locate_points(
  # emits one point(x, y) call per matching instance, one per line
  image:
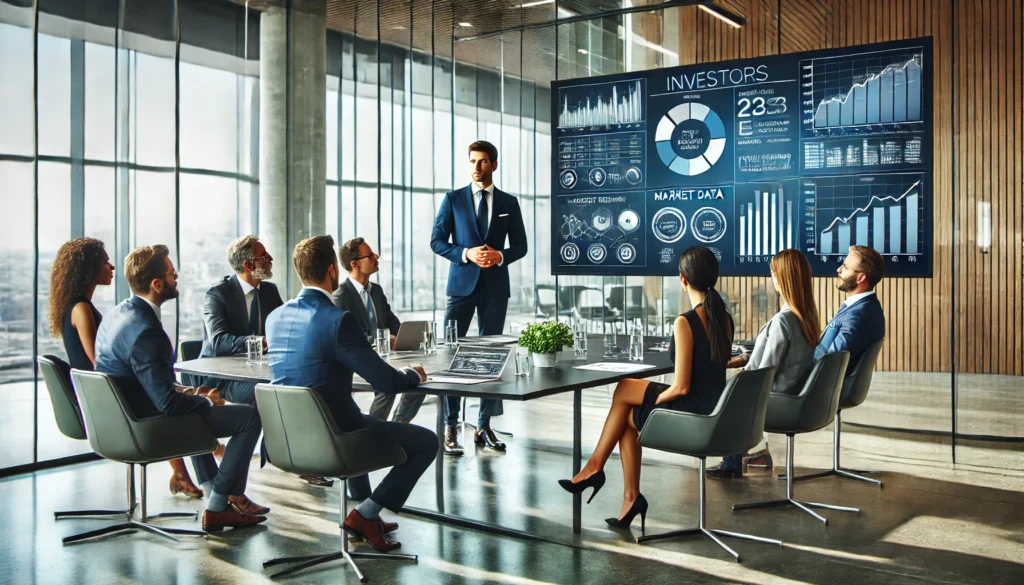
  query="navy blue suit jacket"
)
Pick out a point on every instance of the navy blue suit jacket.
point(132, 347)
point(853, 329)
point(455, 230)
point(315, 344)
point(226, 317)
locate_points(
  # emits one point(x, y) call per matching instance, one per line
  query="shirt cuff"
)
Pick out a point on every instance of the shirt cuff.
point(502, 256)
point(465, 255)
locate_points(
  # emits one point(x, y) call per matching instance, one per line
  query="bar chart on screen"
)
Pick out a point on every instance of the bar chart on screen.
point(770, 218)
point(883, 212)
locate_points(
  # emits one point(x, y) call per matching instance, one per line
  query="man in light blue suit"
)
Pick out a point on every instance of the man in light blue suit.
point(132, 347)
point(860, 321)
point(315, 344)
point(471, 230)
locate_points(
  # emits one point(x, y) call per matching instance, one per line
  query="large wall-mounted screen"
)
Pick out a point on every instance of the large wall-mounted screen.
point(816, 151)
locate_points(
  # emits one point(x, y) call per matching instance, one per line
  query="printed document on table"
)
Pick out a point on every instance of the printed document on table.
point(616, 367)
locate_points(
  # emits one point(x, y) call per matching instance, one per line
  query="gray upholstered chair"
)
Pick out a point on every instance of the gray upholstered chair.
point(736, 425)
point(855, 390)
point(57, 377)
point(115, 433)
point(812, 409)
point(302, 437)
point(189, 350)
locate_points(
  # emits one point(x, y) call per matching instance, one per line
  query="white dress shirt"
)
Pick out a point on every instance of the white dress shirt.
point(854, 298)
point(156, 307)
point(487, 192)
point(325, 293)
point(248, 291)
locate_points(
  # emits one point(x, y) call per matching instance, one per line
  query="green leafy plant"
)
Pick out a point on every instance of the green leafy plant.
point(546, 337)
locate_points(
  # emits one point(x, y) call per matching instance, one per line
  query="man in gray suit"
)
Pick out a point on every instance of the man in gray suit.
point(368, 303)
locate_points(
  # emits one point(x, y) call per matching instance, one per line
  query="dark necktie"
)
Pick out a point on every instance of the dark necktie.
point(254, 313)
point(371, 313)
point(481, 215)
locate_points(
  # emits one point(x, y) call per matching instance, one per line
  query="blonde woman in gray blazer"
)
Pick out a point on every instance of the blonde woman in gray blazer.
point(786, 343)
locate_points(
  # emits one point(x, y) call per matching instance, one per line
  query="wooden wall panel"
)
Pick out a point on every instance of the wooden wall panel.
point(978, 150)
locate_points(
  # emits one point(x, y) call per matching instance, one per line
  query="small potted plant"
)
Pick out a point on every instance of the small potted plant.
point(545, 340)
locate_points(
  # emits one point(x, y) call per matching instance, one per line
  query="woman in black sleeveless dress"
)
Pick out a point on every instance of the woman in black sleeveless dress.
point(700, 347)
point(79, 267)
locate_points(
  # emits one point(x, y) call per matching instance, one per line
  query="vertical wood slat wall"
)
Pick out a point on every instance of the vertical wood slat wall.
point(985, 130)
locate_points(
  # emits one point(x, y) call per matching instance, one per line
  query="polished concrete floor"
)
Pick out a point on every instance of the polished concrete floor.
point(930, 523)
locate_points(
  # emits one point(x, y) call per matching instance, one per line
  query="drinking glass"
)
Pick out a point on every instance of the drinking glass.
point(579, 343)
point(611, 341)
point(429, 339)
point(451, 334)
point(636, 343)
point(254, 350)
point(384, 342)
point(523, 364)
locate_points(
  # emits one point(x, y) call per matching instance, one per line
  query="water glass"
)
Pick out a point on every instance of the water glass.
point(523, 364)
point(579, 342)
point(384, 342)
point(611, 342)
point(429, 339)
point(636, 343)
point(451, 334)
point(254, 350)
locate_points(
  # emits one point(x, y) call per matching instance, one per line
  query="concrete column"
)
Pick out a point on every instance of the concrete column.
point(293, 143)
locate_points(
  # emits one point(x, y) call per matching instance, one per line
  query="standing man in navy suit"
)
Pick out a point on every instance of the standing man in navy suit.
point(479, 229)
point(860, 321)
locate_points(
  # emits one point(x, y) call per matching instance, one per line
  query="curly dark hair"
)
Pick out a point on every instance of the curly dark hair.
point(75, 268)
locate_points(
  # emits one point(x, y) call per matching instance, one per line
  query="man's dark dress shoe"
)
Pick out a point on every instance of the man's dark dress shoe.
point(246, 506)
point(717, 472)
point(486, 437)
point(369, 530)
point(451, 441)
point(385, 527)
point(318, 480)
point(229, 518)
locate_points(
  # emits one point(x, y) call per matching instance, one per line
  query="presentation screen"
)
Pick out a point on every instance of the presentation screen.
point(816, 151)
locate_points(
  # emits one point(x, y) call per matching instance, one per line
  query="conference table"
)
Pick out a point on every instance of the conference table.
point(563, 377)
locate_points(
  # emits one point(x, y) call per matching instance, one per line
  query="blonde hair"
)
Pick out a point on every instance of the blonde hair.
point(793, 277)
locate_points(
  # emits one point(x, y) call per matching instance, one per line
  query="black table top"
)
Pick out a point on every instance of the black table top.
point(542, 381)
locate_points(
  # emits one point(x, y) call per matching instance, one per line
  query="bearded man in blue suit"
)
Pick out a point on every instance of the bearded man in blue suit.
point(313, 343)
point(480, 230)
point(860, 322)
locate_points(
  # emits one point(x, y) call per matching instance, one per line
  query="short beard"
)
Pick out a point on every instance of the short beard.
point(262, 274)
point(167, 294)
point(846, 285)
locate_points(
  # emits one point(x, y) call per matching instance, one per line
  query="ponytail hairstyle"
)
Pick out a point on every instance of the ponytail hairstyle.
point(700, 268)
point(793, 275)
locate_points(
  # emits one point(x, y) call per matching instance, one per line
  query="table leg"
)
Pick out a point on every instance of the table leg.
point(439, 462)
point(577, 456)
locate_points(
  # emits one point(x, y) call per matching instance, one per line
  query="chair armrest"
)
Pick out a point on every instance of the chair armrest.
point(170, 437)
point(678, 432)
point(783, 412)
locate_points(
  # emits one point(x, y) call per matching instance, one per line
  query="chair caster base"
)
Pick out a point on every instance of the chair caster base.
point(710, 533)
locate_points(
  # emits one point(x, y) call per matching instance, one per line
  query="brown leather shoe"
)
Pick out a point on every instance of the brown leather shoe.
point(486, 437)
point(370, 531)
point(246, 506)
point(385, 527)
point(182, 485)
point(229, 518)
point(451, 441)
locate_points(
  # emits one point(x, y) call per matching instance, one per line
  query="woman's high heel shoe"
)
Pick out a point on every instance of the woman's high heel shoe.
point(639, 507)
point(595, 481)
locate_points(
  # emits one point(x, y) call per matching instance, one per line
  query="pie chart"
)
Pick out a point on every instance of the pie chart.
point(690, 139)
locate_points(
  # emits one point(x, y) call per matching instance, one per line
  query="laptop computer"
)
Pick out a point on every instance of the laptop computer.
point(410, 335)
point(473, 365)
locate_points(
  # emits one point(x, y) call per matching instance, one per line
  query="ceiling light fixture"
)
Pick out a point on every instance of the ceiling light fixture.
point(537, 3)
point(465, 25)
point(721, 14)
point(583, 51)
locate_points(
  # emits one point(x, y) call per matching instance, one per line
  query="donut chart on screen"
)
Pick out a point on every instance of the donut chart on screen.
point(691, 118)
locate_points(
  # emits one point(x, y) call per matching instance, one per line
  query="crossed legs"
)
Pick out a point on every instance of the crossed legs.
point(620, 430)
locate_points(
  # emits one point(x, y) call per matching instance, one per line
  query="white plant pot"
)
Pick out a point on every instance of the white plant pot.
point(543, 360)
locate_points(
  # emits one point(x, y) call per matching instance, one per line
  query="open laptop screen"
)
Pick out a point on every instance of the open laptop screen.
point(475, 362)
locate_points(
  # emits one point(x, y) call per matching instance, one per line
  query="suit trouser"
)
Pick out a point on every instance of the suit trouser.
point(420, 446)
point(408, 406)
point(241, 424)
point(491, 310)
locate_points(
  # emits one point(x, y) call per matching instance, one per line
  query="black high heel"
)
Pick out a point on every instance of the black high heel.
point(595, 481)
point(639, 507)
